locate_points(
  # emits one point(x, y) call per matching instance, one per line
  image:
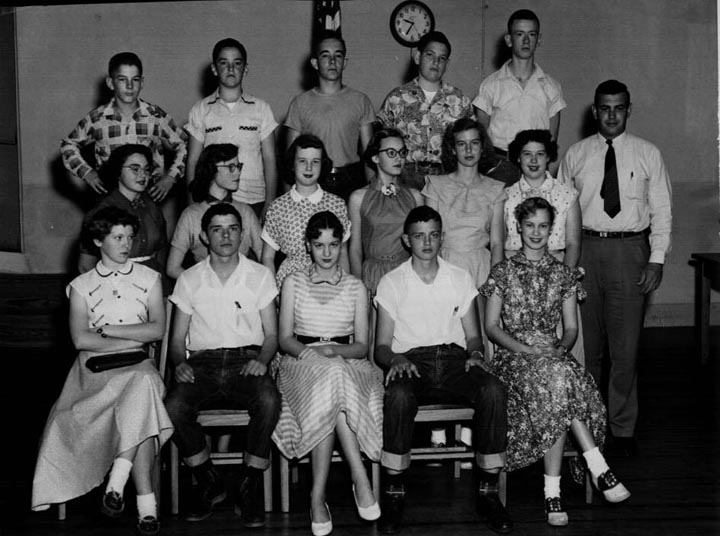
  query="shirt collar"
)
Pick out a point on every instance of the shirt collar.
point(545, 187)
point(104, 271)
point(111, 110)
point(215, 98)
point(505, 72)
point(314, 198)
point(212, 200)
point(332, 279)
point(238, 275)
point(520, 258)
point(619, 140)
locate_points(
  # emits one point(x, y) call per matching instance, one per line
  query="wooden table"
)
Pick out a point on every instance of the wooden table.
point(707, 274)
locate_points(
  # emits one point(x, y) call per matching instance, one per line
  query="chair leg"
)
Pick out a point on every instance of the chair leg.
point(502, 487)
point(267, 487)
point(284, 484)
point(174, 479)
point(456, 464)
point(61, 512)
point(156, 477)
point(375, 469)
point(588, 488)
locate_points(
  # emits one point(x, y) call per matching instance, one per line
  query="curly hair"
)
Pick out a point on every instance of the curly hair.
point(530, 206)
point(99, 223)
point(524, 137)
point(111, 170)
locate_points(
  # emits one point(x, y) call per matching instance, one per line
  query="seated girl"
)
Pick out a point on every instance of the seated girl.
point(114, 419)
point(328, 386)
point(287, 217)
point(548, 391)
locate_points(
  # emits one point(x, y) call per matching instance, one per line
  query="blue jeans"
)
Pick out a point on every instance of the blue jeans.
point(443, 380)
point(219, 385)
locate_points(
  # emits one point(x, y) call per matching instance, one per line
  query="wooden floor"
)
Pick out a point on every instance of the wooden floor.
point(675, 480)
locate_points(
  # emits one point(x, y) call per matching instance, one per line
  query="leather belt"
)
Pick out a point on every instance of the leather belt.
point(305, 339)
point(613, 234)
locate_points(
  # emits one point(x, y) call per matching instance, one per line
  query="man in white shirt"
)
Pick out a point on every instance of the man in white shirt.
point(225, 319)
point(625, 199)
point(429, 343)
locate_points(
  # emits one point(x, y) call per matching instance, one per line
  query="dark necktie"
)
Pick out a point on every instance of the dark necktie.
point(609, 190)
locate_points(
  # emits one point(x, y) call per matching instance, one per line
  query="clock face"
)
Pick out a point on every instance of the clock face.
point(411, 20)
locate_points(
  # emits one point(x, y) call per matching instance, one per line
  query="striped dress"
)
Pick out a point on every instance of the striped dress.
point(315, 390)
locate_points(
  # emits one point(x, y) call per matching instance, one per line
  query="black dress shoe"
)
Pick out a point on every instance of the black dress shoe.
point(205, 497)
point(248, 504)
point(489, 507)
point(112, 504)
point(624, 446)
point(393, 504)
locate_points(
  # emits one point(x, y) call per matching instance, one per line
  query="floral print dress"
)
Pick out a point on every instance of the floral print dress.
point(544, 394)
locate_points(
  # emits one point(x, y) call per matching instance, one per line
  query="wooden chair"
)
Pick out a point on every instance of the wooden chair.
point(456, 451)
point(570, 452)
point(209, 419)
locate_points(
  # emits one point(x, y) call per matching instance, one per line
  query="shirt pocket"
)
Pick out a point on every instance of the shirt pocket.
point(639, 186)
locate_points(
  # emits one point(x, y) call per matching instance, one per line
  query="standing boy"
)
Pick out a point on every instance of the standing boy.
point(626, 203)
point(423, 108)
point(337, 114)
point(231, 116)
point(429, 343)
point(225, 318)
point(126, 119)
point(519, 96)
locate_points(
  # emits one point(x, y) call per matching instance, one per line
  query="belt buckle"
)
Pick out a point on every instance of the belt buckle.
point(326, 339)
point(603, 234)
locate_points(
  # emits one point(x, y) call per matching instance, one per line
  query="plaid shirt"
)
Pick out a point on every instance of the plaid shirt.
point(107, 129)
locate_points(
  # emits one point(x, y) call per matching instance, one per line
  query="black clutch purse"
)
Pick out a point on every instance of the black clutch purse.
point(101, 363)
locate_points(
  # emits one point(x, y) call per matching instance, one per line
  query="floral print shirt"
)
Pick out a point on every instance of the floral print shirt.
point(423, 122)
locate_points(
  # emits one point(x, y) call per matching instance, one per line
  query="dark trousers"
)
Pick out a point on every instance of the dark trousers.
point(342, 181)
point(219, 385)
point(443, 380)
point(612, 316)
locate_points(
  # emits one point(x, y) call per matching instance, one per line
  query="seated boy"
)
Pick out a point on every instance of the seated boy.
point(428, 341)
point(225, 318)
point(217, 176)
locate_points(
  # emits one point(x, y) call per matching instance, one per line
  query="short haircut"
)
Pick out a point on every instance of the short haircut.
point(422, 213)
point(228, 42)
point(306, 141)
point(522, 14)
point(324, 36)
point(206, 167)
point(323, 220)
point(99, 224)
point(218, 209)
point(373, 147)
point(448, 156)
point(434, 37)
point(530, 206)
point(111, 170)
point(124, 58)
point(611, 87)
point(526, 136)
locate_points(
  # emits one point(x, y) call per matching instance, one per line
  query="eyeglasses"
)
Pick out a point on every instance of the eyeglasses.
point(392, 153)
point(232, 168)
point(138, 170)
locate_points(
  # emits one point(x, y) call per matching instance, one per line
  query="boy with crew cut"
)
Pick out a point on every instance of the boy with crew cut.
point(337, 114)
point(423, 108)
point(519, 96)
point(230, 115)
point(428, 341)
point(126, 119)
point(225, 319)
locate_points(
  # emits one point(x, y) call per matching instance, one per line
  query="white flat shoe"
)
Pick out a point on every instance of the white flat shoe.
point(369, 513)
point(324, 528)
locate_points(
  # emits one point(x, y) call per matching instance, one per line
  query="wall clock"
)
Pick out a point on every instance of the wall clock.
point(409, 21)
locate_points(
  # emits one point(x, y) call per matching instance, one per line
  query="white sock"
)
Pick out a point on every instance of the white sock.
point(119, 475)
point(146, 505)
point(596, 462)
point(552, 486)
